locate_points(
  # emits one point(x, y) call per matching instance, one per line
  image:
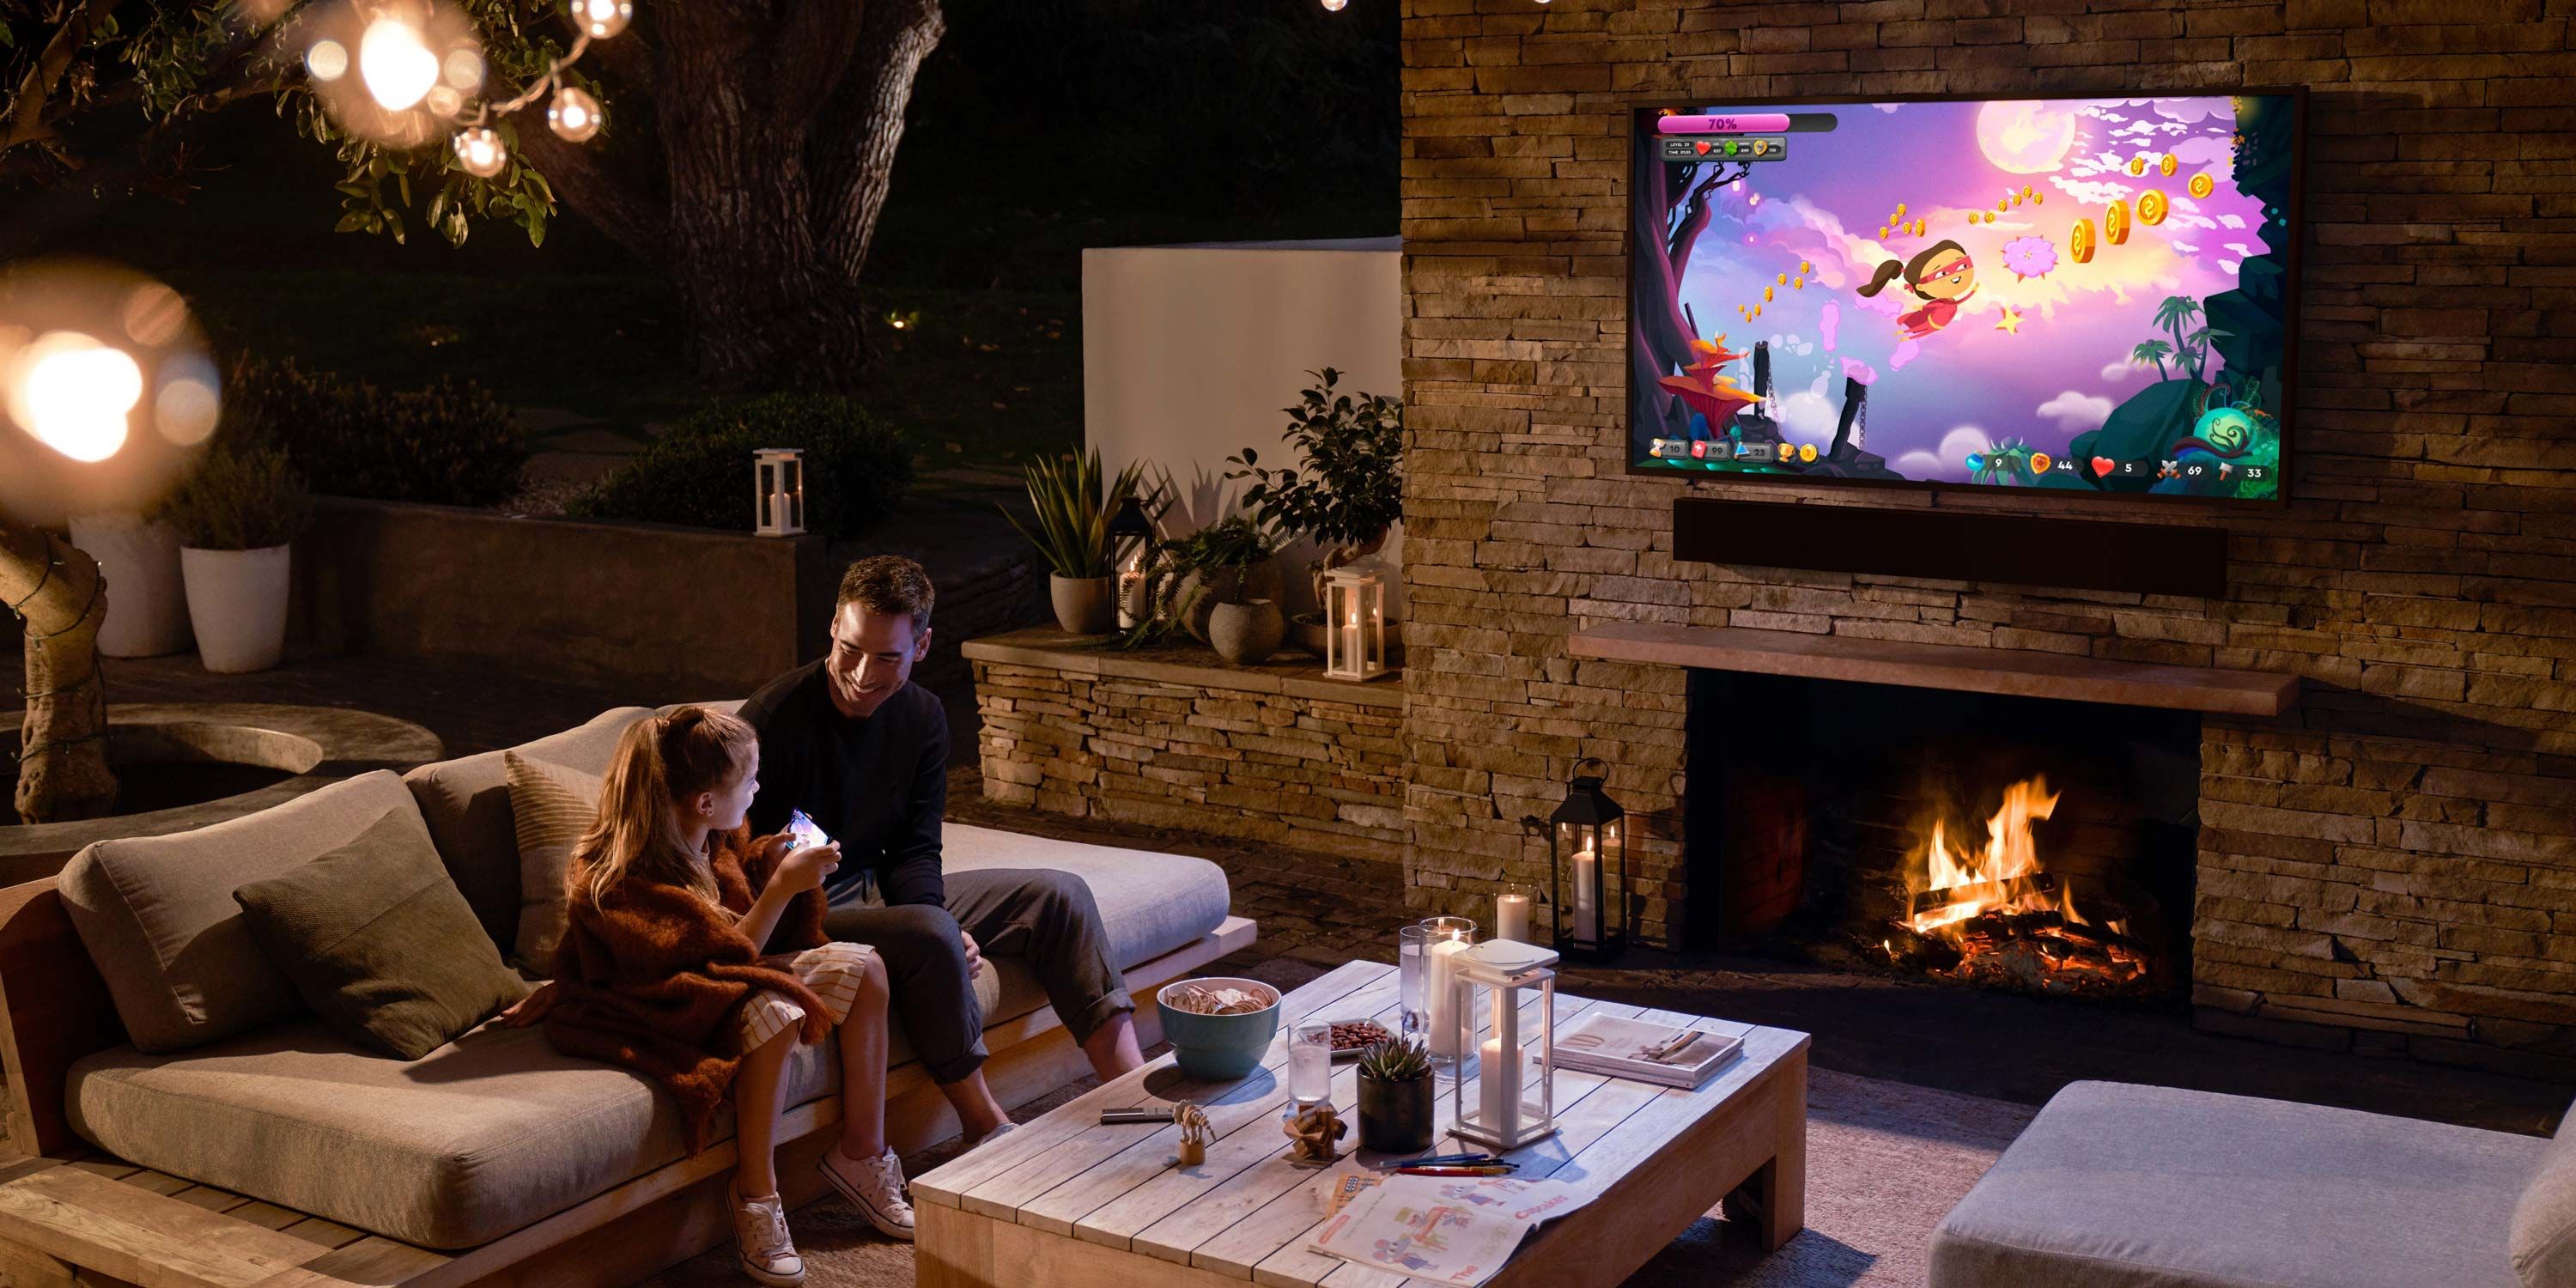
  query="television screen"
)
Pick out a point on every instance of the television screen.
point(2084, 294)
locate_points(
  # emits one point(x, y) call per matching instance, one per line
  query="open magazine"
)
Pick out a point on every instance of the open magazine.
point(1452, 1230)
point(1665, 1054)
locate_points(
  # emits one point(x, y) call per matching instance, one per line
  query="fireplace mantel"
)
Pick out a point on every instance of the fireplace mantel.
point(2014, 672)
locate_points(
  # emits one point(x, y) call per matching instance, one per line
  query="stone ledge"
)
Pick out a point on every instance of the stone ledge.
point(1090, 655)
point(2013, 672)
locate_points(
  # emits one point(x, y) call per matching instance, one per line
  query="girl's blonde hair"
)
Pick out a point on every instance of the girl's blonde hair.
point(660, 761)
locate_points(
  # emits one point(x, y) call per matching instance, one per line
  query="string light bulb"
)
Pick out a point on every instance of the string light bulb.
point(601, 19)
point(328, 60)
point(396, 64)
point(73, 393)
point(574, 115)
point(481, 152)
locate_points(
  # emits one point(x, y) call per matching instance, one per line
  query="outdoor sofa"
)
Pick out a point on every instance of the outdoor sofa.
point(492, 1160)
point(2122, 1186)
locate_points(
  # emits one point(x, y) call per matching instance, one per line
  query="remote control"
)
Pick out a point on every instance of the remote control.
point(1138, 1114)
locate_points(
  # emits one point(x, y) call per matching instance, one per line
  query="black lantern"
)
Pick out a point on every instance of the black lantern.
point(1131, 523)
point(1587, 858)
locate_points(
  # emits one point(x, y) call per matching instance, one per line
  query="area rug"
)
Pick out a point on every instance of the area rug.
point(1884, 1162)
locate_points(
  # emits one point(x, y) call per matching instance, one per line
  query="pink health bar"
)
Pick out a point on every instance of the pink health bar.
point(1739, 123)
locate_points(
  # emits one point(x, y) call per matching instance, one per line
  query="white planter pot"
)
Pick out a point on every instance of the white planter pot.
point(147, 606)
point(237, 600)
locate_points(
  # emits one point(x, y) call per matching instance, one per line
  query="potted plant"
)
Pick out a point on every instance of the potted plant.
point(1243, 627)
point(1346, 491)
point(1072, 511)
point(147, 615)
point(1396, 1100)
point(236, 517)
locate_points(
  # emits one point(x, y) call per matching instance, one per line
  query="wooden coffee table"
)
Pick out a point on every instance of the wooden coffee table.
point(1065, 1202)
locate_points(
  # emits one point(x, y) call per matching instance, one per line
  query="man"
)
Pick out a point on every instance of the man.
point(863, 751)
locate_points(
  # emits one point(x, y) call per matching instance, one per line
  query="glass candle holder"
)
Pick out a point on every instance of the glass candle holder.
point(1427, 980)
point(1310, 1062)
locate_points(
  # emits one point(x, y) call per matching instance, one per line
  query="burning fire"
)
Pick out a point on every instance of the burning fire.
point(2000, 901)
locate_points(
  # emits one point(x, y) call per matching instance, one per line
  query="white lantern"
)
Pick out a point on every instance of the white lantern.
point(778, 487)
point(1500, 1111)
point(1355, 625)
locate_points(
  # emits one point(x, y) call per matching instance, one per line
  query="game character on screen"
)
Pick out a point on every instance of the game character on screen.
point(1941, 275)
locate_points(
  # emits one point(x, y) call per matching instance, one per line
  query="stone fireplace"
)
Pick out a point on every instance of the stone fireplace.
point(2029, 843)
point(2389, 863)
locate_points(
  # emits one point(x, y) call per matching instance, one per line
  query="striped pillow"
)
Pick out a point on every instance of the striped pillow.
point(550, 806)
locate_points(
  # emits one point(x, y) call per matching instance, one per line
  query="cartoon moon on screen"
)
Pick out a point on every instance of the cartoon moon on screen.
point(2058, 293)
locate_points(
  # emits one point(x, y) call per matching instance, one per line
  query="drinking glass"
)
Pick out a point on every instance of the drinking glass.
point(1310, 1062)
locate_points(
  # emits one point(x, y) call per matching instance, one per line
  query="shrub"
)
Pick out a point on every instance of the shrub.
point(242, 496)
point(452, 443)
point(698, 473)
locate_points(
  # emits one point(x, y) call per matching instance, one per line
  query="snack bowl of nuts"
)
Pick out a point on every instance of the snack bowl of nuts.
point(1219, 1027)
point(1350, 1037)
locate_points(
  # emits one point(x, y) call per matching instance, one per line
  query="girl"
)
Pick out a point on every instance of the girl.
point(1939, 274)
point(670, 904)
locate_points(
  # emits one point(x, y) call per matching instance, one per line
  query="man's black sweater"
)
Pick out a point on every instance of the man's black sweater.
point(877, 785)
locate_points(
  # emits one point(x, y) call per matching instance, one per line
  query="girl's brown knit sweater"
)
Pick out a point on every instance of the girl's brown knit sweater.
point(654, 977)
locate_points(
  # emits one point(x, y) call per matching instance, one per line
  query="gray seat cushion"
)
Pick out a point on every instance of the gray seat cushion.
point(2119, 1186)
point(466, 803)
point(488, 1134)
point(1150, 903)
point(2544, 1221)
point(156, 913)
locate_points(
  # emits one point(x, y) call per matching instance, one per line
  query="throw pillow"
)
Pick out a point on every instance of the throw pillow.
point(380, 943)
point(156, 913)
point(551, 807)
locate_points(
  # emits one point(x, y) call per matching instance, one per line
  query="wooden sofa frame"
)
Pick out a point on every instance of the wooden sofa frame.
point(70, 1218)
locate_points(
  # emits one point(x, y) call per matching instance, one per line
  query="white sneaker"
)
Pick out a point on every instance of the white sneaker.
point(996, 1134)
point(760, 1237)
point(875, 1187)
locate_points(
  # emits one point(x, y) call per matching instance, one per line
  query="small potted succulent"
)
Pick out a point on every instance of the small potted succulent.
point(1071, 512)
point(1396, 1100)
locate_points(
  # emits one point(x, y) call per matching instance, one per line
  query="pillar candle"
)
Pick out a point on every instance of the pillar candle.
point(1131, 597)
point(1587, 913)
point(1512, 916)
point(1440, 980)
point(1353, 659)
point(1499, 1067)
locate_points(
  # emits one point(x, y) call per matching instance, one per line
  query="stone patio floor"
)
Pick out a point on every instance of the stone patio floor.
point(1317, 911)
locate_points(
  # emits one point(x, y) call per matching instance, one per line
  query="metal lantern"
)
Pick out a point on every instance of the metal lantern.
point(1354, 625)
point(778, 491)
point(1587, 859)
point(1500, 1112)
point(1131, 524)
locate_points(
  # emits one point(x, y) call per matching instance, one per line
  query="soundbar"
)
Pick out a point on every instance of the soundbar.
point(1948, 545)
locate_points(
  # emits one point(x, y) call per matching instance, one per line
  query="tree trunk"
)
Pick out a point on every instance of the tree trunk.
point(62, 768)
point(763, 310)
point(778, 124)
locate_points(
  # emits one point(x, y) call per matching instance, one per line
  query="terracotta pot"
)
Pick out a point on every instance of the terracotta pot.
point(1397, 1117)
point(1084, 605)
point(237, 603)
point(1245, 634)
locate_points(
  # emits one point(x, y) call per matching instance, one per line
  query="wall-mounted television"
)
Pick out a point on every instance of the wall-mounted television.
point(2089, 295)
